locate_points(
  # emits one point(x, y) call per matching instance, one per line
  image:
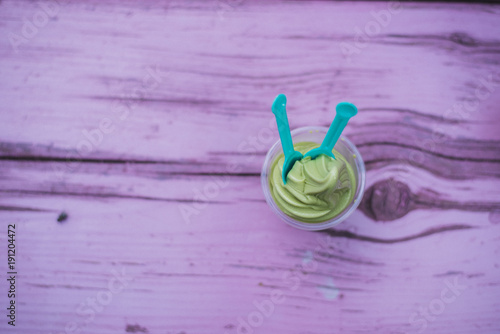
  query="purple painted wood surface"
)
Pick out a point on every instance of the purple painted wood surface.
point(102, 109)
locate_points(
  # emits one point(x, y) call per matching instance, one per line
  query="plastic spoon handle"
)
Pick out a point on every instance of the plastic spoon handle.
point(279, 111)
point(345, 111)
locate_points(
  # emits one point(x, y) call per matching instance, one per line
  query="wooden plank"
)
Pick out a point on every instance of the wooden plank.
point(186, 88)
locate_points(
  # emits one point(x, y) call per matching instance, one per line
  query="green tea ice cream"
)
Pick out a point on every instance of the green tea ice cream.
point(316, 190)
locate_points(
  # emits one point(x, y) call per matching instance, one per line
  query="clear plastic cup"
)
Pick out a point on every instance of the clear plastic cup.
point(345, 147)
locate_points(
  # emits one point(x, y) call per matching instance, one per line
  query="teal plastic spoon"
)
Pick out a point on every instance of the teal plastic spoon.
point(291, 156)
point(345, 111)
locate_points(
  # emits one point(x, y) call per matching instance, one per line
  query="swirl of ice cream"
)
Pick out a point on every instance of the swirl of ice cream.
point(316, 190)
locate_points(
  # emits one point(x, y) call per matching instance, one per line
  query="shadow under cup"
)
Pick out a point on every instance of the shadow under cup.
point(345, 147)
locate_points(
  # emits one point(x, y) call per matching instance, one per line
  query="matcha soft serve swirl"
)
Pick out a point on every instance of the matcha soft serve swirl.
point(316, 190)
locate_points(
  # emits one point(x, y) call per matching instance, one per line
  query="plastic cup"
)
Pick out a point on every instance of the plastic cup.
point(316, 134)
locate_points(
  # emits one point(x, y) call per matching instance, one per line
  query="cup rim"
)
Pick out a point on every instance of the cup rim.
point(328, 223)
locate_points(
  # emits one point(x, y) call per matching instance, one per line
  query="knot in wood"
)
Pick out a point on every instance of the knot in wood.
point(387, 200)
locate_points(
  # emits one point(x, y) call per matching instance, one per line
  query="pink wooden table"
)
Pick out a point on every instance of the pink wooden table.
point(147, 122)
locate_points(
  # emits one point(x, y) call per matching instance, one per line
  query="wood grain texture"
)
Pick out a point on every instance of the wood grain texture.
point(183, 90)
